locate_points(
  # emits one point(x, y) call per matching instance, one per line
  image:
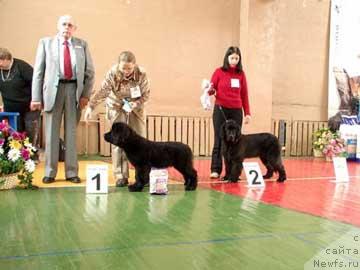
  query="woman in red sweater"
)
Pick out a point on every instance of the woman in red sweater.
point(228, 84)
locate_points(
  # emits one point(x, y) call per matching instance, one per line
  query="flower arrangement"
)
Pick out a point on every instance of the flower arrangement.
point(335, 148)
point(329, 143)
point(16, 153)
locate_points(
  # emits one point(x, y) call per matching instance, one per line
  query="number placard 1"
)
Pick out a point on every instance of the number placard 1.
point(341, 170)
point(97, 179)
point(253, 174)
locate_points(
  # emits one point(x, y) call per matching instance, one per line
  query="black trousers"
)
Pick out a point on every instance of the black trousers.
point(219, 118)
point(30, 123)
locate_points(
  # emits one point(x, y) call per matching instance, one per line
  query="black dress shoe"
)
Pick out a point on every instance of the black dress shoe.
point(48, 180)
point(75, 179)
point(122, 182)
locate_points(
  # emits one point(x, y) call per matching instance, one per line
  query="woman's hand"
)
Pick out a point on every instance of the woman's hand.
point(211, 90)
point(247, 119)
point(133, 104)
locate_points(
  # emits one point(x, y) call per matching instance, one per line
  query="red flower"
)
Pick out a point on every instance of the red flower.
point(19, 136)
point(25, 154)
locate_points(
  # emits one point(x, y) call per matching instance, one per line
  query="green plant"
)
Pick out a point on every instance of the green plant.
point(16, 153)
point(321, 138)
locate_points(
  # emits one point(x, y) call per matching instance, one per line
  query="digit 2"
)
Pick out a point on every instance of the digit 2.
point(254, 182)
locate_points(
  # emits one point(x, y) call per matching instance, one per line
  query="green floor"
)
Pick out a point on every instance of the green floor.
point(64, 228)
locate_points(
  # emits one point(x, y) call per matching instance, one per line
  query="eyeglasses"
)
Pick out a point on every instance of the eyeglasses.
point(70, 25)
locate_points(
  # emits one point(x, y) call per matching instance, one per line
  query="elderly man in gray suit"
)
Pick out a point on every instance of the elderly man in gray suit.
point(62, 82)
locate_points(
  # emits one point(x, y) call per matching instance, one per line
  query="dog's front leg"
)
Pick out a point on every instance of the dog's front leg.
point(228, 165)
point(235, 171)
point(141, 178)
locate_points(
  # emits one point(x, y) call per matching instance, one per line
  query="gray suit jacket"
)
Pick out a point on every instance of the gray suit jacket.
point(47, 71)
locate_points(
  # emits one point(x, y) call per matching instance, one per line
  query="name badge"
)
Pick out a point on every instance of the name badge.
point(235, 83)
point(135, 92)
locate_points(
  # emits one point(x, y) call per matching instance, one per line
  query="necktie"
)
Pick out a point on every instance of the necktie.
point(67, 62)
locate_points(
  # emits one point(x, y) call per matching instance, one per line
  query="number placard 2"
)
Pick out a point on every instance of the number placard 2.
point(97, 179)
point(253, 174)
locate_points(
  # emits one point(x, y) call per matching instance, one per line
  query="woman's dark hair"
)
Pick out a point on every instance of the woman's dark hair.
point(231, 51)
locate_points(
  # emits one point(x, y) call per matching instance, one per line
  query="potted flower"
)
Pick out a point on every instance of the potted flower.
point(334, 148)
point(16, 163)
point(321, 139)
point(327, 143)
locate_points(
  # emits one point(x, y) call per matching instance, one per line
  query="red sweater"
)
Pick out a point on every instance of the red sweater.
point(231, 89)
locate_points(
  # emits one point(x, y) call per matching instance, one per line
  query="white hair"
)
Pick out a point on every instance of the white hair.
point(66, 18)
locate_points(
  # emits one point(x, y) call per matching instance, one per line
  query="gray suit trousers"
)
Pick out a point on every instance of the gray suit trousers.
point(65, 105)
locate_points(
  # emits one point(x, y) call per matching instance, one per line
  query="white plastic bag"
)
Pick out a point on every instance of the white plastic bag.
point(158, 181)
point(205, 98)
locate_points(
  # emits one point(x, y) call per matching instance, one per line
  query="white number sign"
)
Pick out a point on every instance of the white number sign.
point(97, 179)
point(253, 174)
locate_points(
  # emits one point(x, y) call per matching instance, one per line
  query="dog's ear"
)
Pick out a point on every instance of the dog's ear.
point(121, 132)
point(238, 130)
point(126, 131)
point(116, 134)
point(223, 130)
point(235, 126)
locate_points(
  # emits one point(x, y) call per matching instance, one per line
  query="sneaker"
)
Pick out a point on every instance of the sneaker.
point(214, 175)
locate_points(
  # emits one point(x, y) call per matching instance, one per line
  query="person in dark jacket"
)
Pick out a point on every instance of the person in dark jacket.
point(15, 87)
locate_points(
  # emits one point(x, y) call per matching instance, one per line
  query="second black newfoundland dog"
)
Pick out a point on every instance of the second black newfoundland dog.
point(144, 154)
point(236, 147)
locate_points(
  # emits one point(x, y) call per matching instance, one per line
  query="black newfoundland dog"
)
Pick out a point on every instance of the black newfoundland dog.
point(236, 147)
point(144, 154)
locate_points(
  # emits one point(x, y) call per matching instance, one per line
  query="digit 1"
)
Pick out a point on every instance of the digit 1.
point(97, 177)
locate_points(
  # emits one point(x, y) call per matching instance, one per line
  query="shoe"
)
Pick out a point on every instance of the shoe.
point(48, 180)
point(122, 182)
point(224, 178)
point(214, 175)
point(74, 179)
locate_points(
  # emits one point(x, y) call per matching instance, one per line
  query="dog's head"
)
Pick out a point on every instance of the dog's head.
point(231, 131)
point(119, 134)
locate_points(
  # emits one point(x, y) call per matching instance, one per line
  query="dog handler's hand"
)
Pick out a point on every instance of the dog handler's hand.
point(247, 119)
point(88, 113)
point(133, 105)
point(211, 90)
